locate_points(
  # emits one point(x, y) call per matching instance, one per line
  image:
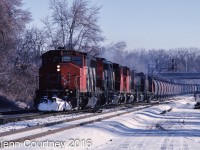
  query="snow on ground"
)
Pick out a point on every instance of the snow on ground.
point(21, 105)
point(165, 127)
point(56, 105)
point(35, 122)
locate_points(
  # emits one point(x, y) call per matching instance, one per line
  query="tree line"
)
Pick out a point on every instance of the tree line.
point(185, 59)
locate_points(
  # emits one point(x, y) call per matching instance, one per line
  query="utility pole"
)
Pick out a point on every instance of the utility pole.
point(186, 64)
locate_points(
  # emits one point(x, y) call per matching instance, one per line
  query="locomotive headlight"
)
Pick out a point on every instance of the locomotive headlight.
point(58, 68)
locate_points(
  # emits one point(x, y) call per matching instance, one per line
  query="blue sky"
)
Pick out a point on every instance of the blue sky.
point(141, 23)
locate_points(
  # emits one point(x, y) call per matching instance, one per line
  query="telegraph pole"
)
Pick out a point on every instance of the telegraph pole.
point(186, 64)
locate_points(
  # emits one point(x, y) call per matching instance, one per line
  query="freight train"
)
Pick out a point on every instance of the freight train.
point(76, 80)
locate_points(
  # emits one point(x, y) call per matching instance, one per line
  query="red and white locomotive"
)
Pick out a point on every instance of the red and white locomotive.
point(78, 80)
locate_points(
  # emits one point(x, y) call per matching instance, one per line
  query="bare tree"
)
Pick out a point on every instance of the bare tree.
point(75, 26)
point(19, 81)
point(30, 47)
point(12, 22)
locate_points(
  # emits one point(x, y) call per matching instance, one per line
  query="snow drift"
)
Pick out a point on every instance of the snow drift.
point(56, 105)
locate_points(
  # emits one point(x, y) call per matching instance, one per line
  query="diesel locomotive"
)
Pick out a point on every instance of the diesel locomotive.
point(83, 81)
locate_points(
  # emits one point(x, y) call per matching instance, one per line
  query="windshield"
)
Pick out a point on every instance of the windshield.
point(48, 60)
point(74, 59)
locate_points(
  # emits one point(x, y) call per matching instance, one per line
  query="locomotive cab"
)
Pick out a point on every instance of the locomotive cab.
point(62, 75)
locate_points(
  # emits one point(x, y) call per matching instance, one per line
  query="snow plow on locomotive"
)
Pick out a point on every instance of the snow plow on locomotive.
point(70, 79)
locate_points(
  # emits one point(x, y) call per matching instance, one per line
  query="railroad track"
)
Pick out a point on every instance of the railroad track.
point(34, 132)
point(34, 115)
point(14, 116)
point(31, 133)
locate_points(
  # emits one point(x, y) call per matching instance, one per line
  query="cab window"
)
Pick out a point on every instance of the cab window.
point(49, 60)
point(77, 60)
point(66, 58)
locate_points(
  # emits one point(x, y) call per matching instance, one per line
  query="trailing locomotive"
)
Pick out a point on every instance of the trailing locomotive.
point(77, 80)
